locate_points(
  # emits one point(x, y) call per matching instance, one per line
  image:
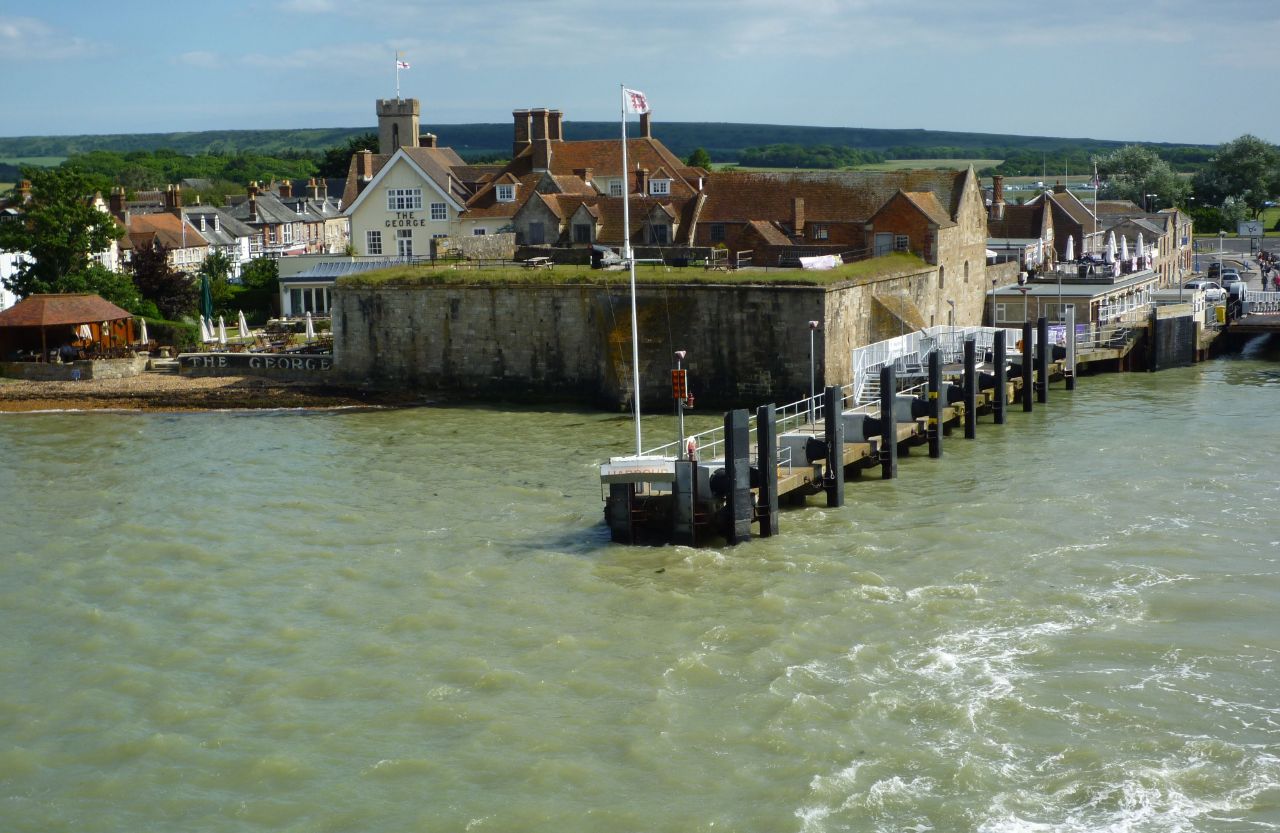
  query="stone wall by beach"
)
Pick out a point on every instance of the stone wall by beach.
point(744, 343)
point(74, 371)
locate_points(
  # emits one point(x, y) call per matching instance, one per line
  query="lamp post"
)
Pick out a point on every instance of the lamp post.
point(813, 328)
point(1222, 245)
point(1024, 290)
point(993, 302)
point(680, 399)
point(1151, 201)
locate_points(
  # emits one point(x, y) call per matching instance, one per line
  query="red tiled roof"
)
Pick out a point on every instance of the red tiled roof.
point(829, 197)
point(57, 310)
point(769, 233)
point(167, 229)
point(927, 202)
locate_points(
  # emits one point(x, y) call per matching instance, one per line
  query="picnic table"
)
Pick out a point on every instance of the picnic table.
point(538, 263)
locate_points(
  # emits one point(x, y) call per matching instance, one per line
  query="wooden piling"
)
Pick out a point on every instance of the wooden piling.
point(737, 463)
point(888, 423)
point(683, 495)
point(1028, 372)
point(833, 482)
point(1069, 369)
point(767, 461)
point(935, 404)
point(970, 389)
point(1043, 350)
point(1001, 401)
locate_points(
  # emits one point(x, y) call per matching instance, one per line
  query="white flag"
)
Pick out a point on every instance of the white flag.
point(401, 64)
point(635, 101)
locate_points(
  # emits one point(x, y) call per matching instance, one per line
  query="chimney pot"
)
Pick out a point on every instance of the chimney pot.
point(645, 128)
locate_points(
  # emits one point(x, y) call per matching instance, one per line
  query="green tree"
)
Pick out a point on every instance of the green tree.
point(337, 159)
point(61, 230)
point(1246, 168)
point(261, 279)
point(217, 267)
point(699, 159)
point(173, 292)
point(1134, 171)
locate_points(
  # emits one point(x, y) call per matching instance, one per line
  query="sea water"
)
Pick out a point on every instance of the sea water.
point(412, 620)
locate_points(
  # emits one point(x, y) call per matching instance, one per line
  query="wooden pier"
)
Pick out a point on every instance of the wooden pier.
point(718, 490)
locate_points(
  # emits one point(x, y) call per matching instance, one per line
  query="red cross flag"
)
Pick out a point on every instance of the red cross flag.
point(401, 64)
point(635, 101)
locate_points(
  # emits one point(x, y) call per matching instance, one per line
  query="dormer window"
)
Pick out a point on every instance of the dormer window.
point(659, 187)
point(506, 193)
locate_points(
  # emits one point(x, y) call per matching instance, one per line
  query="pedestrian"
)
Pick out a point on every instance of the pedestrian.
point(1277, 280)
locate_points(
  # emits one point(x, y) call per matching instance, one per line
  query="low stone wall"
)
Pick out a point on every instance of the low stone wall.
point(74, 371)
point(477, 247)
point(309, 367)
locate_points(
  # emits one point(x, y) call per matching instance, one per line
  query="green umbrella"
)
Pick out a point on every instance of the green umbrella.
point(206, 298)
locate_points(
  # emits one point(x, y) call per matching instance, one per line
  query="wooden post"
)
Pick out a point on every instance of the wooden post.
point(832, 406)
point(683, 495)
point(767, 461)
point(1071, 348)
point(737, 463)
point(1028, 373)
point(1043, 350)
point(1002, 383)
point(888, 423)
point(970, 389)
point(935, 403)
point(618, 512)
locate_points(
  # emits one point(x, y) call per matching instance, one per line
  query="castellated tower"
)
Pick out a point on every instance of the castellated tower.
point(397, 124)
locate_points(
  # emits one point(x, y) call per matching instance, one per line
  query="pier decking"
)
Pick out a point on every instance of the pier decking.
point(714, 485)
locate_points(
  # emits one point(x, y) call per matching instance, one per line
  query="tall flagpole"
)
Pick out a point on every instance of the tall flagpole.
point(397, 73)
point(631, 262)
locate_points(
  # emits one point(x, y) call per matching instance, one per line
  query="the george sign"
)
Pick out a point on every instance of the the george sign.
point(256, 361)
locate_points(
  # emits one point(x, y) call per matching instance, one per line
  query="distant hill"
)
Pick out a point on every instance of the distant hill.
point(724, 141)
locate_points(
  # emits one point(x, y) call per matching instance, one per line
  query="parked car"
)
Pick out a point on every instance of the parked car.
point(1213, 292)
point(1228, 275)
point(1214, 271)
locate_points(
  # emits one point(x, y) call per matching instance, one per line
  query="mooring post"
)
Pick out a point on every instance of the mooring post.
point(737, 464)
point(832, 406)
point(683, 497)
point(1002, 382)
point(1028, 371)
point(767, 462)
point(1043, 349)
point(970, 389)
point(888, 423)
point(935, 403)
point(621, 496)
point(1070, 371)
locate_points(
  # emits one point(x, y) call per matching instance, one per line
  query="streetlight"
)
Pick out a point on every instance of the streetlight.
point(993, 301)
point(814, 326)
point(1024, 289)
point(1222, 247)
point(1151, 201)
point(681, 393)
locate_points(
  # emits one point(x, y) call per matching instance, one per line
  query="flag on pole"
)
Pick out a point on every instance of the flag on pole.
point(635, 101)
point(401, 64)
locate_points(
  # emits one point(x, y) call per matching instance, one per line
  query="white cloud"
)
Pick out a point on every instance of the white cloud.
point(29, 39)
point(200, 59)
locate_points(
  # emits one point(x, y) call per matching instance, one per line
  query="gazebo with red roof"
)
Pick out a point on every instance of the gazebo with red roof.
point(36, 320)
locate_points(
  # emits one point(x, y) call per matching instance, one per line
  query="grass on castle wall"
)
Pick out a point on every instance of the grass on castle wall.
point(647, 273)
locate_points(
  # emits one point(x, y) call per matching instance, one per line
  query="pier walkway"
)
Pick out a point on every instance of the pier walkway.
point(1259, 313)
point(713, 484)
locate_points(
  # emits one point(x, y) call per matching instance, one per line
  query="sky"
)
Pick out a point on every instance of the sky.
point(1146, 70)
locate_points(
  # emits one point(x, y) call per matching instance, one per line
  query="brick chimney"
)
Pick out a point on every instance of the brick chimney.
point(555, 126)
point(520, 135)
point(253, 188)
point(253, 206)
point(583, 173)
point(642, 181)
point(364, 165)
point(797, 215)
point(997, 197)
point(645, 131)
point(313, 190)
point(173, 199)
point(541, 118)
point(24, 191)
point(115, 203)
point(286, 190)
point(1059, 188)
point(427, 140)
point(322, 189)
